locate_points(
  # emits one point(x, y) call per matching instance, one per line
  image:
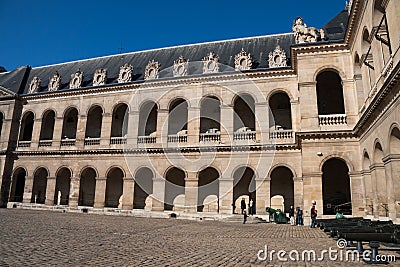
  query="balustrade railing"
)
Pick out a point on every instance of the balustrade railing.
point(249, 135)
point(117, 140)
point(146, 139)
point(333, 119)
point(92, 141)
point(24, 143)
point(210, 137)
point(43, 143)
point(177, 138)
point(68, 142)
point(281, 134)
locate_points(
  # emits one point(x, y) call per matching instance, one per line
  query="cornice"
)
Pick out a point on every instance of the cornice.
point(325, 135)
point(353, 18)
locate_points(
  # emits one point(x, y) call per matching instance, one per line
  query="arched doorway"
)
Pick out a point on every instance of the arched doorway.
point(94, 121)
point(63, 182)
point(282, 185)
point(87, 187)
point(244, 181)
point(26, 127)
point(174, 189)
point(114, 187)
point(70, 124)
point(148, 119)
point(119, 123)
point(243, 115)
point(279, 104)
point(210, 116)
point(143, 187)
point(177, 117)
point(18, 185)
point(47, 128)
point(39, 186)
point(208, 193)
point(330, 93)
point(336, 187)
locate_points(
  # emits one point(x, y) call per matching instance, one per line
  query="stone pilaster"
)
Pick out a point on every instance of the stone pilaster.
point(226, 195)
point(74, 191)
point(380, 188)
point(312, 186)
point(50, 190)
point(298, 187)
point(309, 108)
point(158, 194)
point(100, 192)
point(294, 112)
point(226, 124)
point(392, 170)
point(133, 127)
point(80, 131)
point(263, 195)
point(357, 194)
point(37, 125)
point(106, 130)
point(162, 126)
point(191, 192)
point(28, 189)
point(193, 126)
point(58, 126)
point(128, 192)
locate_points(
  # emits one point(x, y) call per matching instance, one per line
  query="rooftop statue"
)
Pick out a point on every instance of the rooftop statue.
point(304, 34)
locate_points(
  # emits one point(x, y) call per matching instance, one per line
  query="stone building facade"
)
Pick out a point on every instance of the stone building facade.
point(282, 119)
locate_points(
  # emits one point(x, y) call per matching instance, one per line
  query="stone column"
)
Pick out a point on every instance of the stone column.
point(349, 95)
point(28, 189)
point(392, 170)
point(263, 194)
point(74, 192)
point(50, 190)
point(357, 196)
point(262, 122)
point(133, 127)
point(193, 126)
point(58, 126)
point(225, 195)
point(191, 192)
point(162, 126)
point(369, 193)
point(294, 112)
point(298, 188)
point(100, 193)
point(227, 122)
point(309, 108)
point(312, 184)
point(378, 176)
point(128, 192)
point(106, 130)
point(80, 131)
point(158, 194)
point(37, 125)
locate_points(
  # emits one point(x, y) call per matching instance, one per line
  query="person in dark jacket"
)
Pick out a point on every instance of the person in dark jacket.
point(313, 216)
point(244, 216)
point(243, 205)
point(291, 215)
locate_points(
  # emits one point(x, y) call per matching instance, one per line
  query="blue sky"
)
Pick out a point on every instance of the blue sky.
point(44, 32)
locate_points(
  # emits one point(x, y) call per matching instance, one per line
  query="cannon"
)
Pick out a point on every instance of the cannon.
point(277, 215)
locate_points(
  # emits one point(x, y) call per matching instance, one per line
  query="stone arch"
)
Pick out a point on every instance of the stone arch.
point(244, 117)
point(18, 184)
point(70, 123)
point(244, 184)
point(280, 111)
point(365, 40)
point(332, 68)
point(174, 188)
point(177, 116)
point(47, 128)
point(210, 114)
point(117, 167)
point(114, 187)
point(87, 186)
point(394, 139)
point(143, 187)
point(94, 121)
point(119, 123)
point(39, 185)
point(63, 184)
point(342, 157)
point(27, 123)
point(282, 184)
point(280, 90)
point(148, 113)
point(330, 95)
point(94, 105)
point(282, 164)
point(240, 93)
point(378, 151)
point(366, 162)
point(208, 185)
point(336, 192)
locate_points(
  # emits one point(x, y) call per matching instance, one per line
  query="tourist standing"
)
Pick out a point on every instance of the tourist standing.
point(299, 216)
point(244, 216)
point(291, 215)
point(313, 214)
point(251, 203)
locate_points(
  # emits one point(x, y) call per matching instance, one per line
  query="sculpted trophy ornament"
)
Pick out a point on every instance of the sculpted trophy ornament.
point(55, 82)
point(34, 85)
point(210, 63)
point(100, 77)
point(181, 66)
point(304, 34)
point(277, 58)
point(125, 73)
point(243, 61)
point(76, 79)
point(151, 71)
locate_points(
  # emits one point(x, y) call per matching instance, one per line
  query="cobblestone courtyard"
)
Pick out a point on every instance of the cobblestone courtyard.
point(43, 238)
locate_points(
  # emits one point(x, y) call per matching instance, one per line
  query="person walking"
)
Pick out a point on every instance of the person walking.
point(291, 215)
point(251, 206)
point(243, 205)
point(299, 217)
point(313, 214)
point(244, 216)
